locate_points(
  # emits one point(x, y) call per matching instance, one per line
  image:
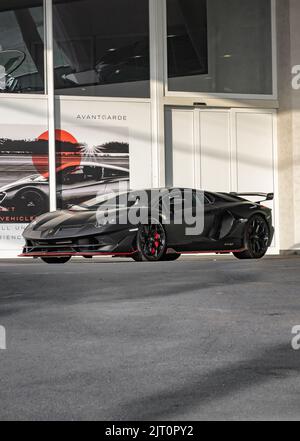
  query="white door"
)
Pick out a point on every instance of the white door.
point(214, 149)
point(222, 150)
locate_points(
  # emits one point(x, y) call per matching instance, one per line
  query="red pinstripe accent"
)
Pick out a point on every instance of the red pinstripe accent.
point(57, 254)
point(213, 252)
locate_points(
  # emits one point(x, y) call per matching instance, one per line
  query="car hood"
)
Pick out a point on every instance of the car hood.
point(33, 179)
point(64, 218)
point(72, 223)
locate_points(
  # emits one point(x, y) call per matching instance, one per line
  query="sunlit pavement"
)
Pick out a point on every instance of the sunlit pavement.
point(201, 338)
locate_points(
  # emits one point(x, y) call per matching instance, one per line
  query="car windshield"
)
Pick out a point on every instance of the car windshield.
point(113, 200)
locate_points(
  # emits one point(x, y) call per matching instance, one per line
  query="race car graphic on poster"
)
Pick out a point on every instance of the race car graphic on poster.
point(84, 169)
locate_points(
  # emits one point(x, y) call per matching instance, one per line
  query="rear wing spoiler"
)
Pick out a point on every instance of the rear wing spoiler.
point(265, 196)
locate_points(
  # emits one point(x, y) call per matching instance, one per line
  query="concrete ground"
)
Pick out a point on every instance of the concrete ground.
point(196, 339)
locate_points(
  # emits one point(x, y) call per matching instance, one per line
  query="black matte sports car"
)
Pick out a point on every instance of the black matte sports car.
point(231, 224)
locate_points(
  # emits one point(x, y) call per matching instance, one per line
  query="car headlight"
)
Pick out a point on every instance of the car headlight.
point(2, 196)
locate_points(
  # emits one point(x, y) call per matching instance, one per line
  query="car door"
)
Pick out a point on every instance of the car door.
point(208, 210)
point(177, 206)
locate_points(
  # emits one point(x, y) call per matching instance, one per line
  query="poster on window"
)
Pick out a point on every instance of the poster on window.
point(101, 147)
point(90, 163)
point(22, 187)
point(86, 166)
point(24, 190)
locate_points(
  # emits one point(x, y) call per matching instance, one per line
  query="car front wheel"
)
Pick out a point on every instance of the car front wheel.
point(151, 243)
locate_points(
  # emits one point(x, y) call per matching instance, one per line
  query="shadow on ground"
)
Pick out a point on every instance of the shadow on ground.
point(276, 363)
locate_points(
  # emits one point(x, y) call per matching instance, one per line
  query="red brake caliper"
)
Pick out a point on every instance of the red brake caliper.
point(157, 240)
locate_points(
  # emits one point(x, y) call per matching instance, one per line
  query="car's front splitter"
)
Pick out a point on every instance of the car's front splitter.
point(71, 254)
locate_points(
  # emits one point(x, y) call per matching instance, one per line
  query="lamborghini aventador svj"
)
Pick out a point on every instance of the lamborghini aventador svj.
point(105, 226)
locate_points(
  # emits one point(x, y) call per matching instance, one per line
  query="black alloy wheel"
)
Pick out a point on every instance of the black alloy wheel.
point(257, 236)
point(151, 243)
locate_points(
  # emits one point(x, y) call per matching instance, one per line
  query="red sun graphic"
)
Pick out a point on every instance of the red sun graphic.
point(67, 152)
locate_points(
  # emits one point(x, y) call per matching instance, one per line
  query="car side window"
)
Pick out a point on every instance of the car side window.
point(183, 200)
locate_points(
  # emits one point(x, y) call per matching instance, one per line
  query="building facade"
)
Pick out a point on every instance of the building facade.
point(195, 93)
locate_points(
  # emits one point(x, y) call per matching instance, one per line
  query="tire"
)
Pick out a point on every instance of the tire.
point(257, 236)
point(151, 243)
point(31, 202)
point(55, 260)
point(137, 257)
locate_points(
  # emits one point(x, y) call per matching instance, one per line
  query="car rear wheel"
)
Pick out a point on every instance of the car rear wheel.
point(257, 236)
point(55, 260)
point(151, 243)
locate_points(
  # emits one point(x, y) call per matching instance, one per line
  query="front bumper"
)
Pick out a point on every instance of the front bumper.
point(116, 244)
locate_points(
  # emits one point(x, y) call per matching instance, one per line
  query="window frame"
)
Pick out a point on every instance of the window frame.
point(209, 95)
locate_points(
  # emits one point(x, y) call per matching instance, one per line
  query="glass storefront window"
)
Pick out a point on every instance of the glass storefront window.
point(21, 46)
point(101, 48)
point(218, 46)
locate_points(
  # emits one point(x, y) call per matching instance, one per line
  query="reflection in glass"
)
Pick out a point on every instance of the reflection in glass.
point(101, 48)
point(21, 47)
point(219, 46)
point(187, 38)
